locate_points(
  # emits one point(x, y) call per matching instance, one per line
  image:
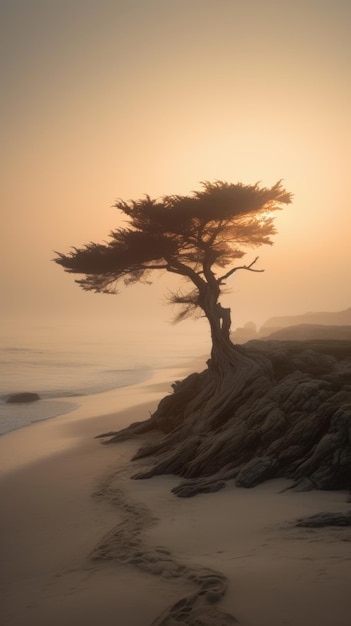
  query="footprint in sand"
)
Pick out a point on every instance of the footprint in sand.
point(125, 544)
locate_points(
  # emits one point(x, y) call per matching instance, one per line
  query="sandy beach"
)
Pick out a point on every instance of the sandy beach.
point(81, 543)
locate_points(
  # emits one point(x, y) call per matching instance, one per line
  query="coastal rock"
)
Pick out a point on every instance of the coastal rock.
point(21, 398)
point(325, 519)
point(188, 489)
point(280, 409)
point(256, 471)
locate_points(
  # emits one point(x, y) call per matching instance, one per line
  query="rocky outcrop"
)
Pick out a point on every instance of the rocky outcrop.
point(325, 519)
point(21, 398)
point(284, 410)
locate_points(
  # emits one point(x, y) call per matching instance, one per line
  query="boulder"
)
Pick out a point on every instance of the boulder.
point(21, 398)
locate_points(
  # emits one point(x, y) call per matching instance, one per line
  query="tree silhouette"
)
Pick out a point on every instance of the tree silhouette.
point(201, 238)
point(198, 237)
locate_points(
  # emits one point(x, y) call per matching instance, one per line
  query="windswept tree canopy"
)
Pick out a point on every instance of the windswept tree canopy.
point(197, 236)
point(205, 230)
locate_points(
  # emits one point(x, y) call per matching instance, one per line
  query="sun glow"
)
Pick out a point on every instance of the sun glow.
point(202, 111)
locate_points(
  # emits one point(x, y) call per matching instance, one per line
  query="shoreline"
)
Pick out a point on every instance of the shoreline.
point(149, 391)
point(71, 515)
point(56, 406)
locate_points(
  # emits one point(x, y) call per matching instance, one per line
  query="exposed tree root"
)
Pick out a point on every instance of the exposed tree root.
point(268, 409)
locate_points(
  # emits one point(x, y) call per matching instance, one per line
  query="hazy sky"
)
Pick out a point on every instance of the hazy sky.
point(104, 99)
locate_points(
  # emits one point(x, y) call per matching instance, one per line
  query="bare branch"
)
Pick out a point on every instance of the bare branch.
point(239, 267)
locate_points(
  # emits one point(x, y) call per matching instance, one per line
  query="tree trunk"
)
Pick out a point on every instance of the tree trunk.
point(223, 352)
point(202, 403)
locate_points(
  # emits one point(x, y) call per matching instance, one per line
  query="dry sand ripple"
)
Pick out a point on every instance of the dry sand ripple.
point(126, 545)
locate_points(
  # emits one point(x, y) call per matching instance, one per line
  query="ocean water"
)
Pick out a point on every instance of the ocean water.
point(62, 364)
